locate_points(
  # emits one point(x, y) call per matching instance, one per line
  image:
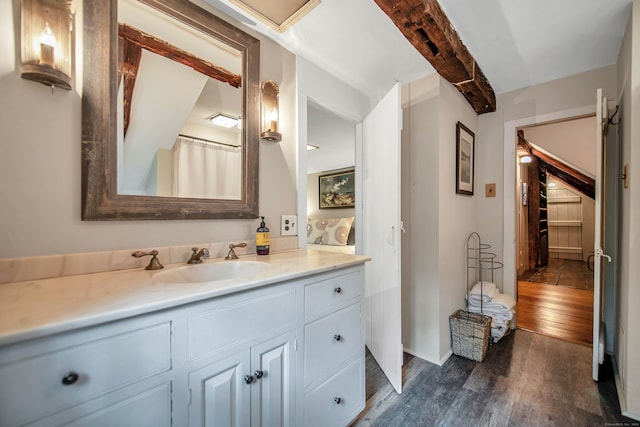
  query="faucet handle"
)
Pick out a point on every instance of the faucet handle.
point(232, 253)
point(154, 264)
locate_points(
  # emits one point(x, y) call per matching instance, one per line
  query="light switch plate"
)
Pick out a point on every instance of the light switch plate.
point(490, 190)
point(289, 225)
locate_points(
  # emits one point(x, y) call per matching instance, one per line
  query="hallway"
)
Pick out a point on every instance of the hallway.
point(557, 301)
point(525, 380)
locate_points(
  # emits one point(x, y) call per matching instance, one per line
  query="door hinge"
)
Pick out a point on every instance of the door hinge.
point(295, 344)
point(189, 397)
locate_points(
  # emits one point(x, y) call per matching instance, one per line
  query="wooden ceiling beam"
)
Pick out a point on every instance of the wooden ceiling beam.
point(128, 65)
point(576, 179)
point(155, 45)
point(429, 30)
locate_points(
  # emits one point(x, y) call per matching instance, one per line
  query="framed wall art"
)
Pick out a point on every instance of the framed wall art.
point(465, 148)
point(337, 190)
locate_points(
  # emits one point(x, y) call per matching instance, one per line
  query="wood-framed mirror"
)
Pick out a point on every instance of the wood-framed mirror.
point(112, 187)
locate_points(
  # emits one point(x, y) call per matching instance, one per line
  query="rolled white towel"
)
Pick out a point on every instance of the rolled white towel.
point(484, 291)
point(499, 323)
point(502, 301)
point(497, 312)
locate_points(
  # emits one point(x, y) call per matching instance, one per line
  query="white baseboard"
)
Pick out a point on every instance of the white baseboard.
point(446, 357)
point(622, 398)
point(435, 362)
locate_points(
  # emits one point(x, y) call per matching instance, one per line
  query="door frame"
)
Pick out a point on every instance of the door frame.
point(509, 271)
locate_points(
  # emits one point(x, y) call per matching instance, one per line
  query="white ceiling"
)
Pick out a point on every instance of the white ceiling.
point(517, 43)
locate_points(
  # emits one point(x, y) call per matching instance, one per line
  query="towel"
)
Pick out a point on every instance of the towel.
point(499, 332)
point(497, 312)
point(501, 302)
point(484, 291)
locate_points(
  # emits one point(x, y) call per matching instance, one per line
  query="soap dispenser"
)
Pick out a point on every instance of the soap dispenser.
point(263, 241)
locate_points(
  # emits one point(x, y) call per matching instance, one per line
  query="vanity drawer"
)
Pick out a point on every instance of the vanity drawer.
point(46, 383)
point(240, 320)
point(331, 293)
point(331, 341)
point(339, 400)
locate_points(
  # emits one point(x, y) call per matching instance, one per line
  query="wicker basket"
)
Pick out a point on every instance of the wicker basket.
point(470, 334)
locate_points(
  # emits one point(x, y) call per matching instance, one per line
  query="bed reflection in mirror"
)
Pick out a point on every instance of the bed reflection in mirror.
point(172, 82)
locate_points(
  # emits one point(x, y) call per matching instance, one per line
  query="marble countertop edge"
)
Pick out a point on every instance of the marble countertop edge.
point(40, 308)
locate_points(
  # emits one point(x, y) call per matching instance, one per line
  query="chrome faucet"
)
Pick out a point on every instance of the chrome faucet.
point(232, 246)
point(197, 255)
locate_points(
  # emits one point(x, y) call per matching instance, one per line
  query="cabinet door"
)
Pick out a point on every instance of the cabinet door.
point(220, 396)
point(273, 367)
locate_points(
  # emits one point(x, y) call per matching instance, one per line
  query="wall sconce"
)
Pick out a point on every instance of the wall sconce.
point(270, 111)
point(47, 42)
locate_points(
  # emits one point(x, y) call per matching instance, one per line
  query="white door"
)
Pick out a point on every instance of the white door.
point(598, 330)
point(381, 234)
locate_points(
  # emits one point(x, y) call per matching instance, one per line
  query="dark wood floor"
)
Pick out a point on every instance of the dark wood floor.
point(526, 379)
point(556, 311)
point(561, 272)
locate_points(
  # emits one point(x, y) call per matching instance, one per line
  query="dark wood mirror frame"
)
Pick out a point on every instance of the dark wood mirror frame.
point(100, 198)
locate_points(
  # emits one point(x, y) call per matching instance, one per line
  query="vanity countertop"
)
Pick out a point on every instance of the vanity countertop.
point(38, 308)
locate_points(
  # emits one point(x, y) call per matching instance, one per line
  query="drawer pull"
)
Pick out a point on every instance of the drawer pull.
point(337, 337)
point(258, 374)
point(337, 290)
point(70, 378)
point(248, 379)
point(337, 400)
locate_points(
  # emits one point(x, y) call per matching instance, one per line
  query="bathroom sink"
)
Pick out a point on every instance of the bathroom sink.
point(211, 272)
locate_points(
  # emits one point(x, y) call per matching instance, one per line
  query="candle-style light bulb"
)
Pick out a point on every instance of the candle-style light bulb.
point(47, 45)
point(274, 120)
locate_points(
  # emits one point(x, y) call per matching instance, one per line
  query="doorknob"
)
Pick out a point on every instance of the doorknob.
point(599, 253)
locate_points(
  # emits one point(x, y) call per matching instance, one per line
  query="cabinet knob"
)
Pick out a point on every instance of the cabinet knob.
point(248, 379)
point(337, 400)
point(337, 337)
point(70, 378)
point(337, 290)
point(258, 374)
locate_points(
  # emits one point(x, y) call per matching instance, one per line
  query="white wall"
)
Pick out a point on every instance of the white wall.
point(458, 213)
point(628, 294)
point(572, 141)
point(420, 195)
point(40, 166)
point(496, 162)
point(438, 221)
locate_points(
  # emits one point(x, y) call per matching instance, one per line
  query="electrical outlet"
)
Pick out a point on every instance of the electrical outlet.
point(289, 225)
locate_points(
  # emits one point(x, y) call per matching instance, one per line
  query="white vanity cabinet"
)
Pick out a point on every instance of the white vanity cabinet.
point(102, 373)
point(334, 380)
point(254, 387)
point(246, 346)
point(288, 353)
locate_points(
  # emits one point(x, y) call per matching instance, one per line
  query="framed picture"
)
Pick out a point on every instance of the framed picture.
point(464, 159)
point(337, 190)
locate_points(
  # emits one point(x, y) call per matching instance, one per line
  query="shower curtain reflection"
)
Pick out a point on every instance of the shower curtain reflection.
point(206, 170)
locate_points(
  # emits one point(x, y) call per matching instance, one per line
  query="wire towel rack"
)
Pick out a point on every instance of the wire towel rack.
point(479, 260)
